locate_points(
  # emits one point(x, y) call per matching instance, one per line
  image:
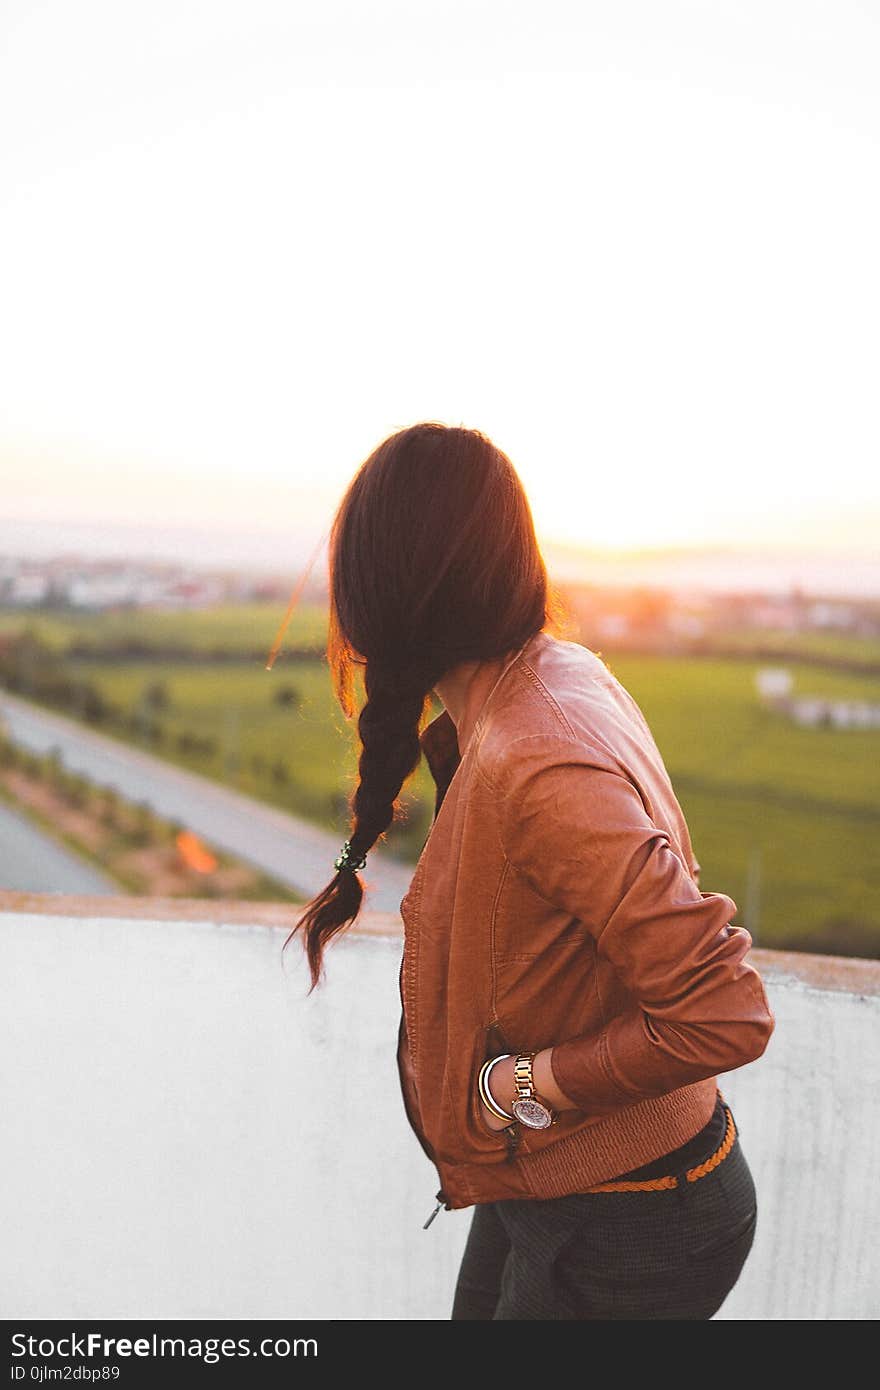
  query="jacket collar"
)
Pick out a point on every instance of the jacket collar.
point(439, 741)
point(439, 738)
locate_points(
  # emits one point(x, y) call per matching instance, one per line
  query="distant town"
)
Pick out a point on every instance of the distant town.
point(647, 616)
point(97, 585)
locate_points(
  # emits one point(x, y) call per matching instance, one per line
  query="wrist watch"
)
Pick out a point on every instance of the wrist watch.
point(528, 1108)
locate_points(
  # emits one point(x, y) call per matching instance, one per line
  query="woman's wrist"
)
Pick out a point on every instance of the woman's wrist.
point(484, 1086)
point(545, 1082)
point(502, 1087)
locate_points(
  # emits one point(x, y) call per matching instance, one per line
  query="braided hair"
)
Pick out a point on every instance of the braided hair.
point(433, 561)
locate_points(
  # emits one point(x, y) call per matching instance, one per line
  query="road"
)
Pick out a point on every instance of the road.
point(295, 852)
point(32, 862)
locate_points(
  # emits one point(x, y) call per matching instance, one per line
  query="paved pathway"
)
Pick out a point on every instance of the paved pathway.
point(295, 852)
point(32, 862)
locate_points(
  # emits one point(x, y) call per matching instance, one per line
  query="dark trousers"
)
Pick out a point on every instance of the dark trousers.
point(675, 1253)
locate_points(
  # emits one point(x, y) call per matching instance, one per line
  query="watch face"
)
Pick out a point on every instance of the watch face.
point(532, 1113)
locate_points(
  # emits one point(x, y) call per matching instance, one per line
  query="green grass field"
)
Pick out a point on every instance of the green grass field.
point(232, 628)
point(784, 819)
point(802, 804)
point(817, 645)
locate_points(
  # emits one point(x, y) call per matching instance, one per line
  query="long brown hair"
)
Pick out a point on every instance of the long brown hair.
point(433, 561)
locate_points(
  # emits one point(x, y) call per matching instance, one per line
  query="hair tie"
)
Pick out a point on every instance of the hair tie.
point(344, 860)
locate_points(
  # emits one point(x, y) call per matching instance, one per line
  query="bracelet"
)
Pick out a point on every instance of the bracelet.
point(483, 1087)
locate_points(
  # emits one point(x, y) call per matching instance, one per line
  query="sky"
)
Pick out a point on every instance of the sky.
point(635, 243)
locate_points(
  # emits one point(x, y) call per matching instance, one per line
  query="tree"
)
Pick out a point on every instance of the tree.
point(156, 696)
point(288, 696)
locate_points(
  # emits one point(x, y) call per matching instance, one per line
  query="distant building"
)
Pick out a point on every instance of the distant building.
point(686, 625)
point(27, 590)
point(814, 711)
point(774, 685)
point(778, 614)
point(773, 681)
point(824, 614)
point(612, 625)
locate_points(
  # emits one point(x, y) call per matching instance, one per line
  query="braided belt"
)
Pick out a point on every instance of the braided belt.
point(692, 1174)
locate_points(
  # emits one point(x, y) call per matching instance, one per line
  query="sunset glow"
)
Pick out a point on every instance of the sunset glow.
point(635, 244)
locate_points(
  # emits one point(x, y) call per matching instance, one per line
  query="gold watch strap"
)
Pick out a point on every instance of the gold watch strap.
point(522, 1075)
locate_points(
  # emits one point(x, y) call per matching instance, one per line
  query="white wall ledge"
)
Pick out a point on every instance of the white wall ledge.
point(190, 1134)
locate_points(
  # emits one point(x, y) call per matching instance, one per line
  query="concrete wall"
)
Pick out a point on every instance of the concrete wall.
point(185, 1134)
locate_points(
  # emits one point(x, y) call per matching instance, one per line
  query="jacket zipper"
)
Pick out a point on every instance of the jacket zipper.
point(511, 1135)
point(408, 972)
point(442, 1201)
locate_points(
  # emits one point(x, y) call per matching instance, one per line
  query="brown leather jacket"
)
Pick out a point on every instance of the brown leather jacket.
point(556, 903)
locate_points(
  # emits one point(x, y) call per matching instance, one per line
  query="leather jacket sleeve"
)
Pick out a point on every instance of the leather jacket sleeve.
point(574, 825)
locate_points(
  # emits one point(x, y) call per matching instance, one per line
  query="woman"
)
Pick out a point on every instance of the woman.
point(569, 993)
